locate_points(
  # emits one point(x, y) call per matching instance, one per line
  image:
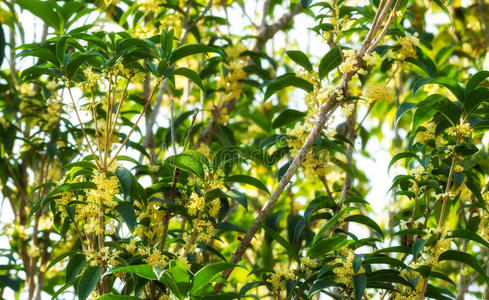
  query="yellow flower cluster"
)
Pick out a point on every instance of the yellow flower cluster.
point(156, 259)
point(232, 83)
point(61, 203)
point(299, 135)
point(317, 97)
point(205, 231)
point(312, 77)
point(379, 92)
point(155, 214)
point(428, 134)
point(91, 79)
point(442, 245)
point(214, 207)
point(280, 277)
point(460, 130)
point(131, 247)
point(195, 205)
point(408, 47)
point(350, 64)
point(345, 272)
point(417, 172)
point(405, 292)
point(484, 224)
point(149, 5)
point(107, 187)
point(215, 180)
point(308, 263)
point(347, 109)
point(443, 196)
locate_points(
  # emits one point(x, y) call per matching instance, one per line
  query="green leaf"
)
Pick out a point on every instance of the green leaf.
point(41, 53)
point(475, 97)
point(207, 274)
point(80, 164)
point(10, 281)
point(286, 117)
point(319, 286)
point(383, 259)
point(427, 108)
point(359, 285)
point(401, 155)
point(65, 187)
point(228, 226)
point(168, 280)
point(166, 42)
point(418, 247)
point(404, 108)
point(447, 82)
point(248, 180)
point(331, 60)
point(362, 219)
point(466, 259)
point(284, 81)
point(331, 222)
point(445, 9)
point(318, 203)
point(190, 49)
point(144, 271)
point(61, 45)
point(88, 281)
point(76, 62)
point(327, 245)
point(44, 10)
point(305, 3)
point(475, 80)
point(125, 178)
point(469, 235)
point(187, 163)
point(300, 58)
point(283, 242)
point(74, 266)
point(127, 212)
point(192, 75)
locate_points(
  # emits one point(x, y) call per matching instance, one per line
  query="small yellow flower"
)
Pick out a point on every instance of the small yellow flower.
point(196, 204)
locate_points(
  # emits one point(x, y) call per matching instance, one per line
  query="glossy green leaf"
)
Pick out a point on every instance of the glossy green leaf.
point(427, 108)
point(166, 41)
point(191, 49)
point(207, 274)
point(359, 285)
point(300, 58)
point(362, 219)
point(248, 180)
point(465, 258)
point(284, 81)
point(74, 266)
point(187, 163)
point(127, 212)
point(190, 74)
point(329, 62)
point(287, 116)
point(404, 108)
point(331, 222)
point(326, 245)
point(475, 80)
point(469, 235)
point(447, 82)
point(144, 271)
point(88, 281)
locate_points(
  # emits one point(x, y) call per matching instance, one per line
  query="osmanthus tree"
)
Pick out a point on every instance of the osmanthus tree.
point(175, 156)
